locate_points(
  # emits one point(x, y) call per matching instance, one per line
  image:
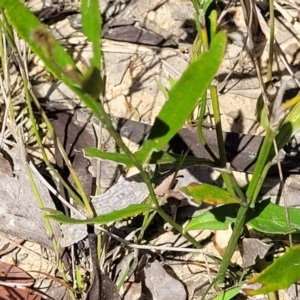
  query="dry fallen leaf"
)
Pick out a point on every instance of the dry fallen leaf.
point(133, 291)
point(15, 284)
point(251, 248)
point(161, 285)
point(19, 212)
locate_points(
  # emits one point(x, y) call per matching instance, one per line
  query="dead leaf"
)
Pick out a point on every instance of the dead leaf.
point(19, 212)
point(251, 248)
point(102, 287)
point(14, 283)
point(121, 195)
point(164, 186)
point(133, 291)
point(161, 285)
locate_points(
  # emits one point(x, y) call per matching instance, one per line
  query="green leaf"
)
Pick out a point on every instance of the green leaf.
point(267, 217)
point(116, 215)
point(172, 81)
point(79, 279)
point(116, 157)
point(52, 211)
point(41, 41)
point(206, 4)
point(210, 194)
point(228, 294)
point(162, 158)
point(91, 26)
point(213, 18)
point(156, 158)
point(289, 127)
point(271, 218)
point(162, 88)
point(183, 97)
point(261, 113)
point(92, 82)
point(279, 275)
point(217, 218)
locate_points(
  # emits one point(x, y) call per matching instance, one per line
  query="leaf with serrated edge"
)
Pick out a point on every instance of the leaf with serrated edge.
point(283, 272)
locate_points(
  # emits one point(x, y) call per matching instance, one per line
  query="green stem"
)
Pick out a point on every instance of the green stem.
point(261, 168)
point(219, 132)
point(200, 129)
point(237, 188)
point(28, 98)
point(260, 172)
point(237, 231)
point(146, 222)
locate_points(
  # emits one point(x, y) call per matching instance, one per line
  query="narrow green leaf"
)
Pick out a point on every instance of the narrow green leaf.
point(116, 157)
point(116, 215)
point(162, 88)
point(162, 158)
point(213, 18)
point(228, 294)
point(217, 218)
point(279, 275)
point(183, 97)
point(52, 211)
point(261, 113)
point(41, 41)
point(156, 158)
point(210, 194)
point(172, 81)
point(91, 25)
point(206, 4)
point(79, 279)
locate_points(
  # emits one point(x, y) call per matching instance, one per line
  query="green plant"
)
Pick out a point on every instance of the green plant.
point(237, 207)
point(182, 99)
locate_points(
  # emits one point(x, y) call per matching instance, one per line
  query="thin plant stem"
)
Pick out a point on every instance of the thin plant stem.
point(221, 145)
point(272, 37)
point(259, 174)
point(237, 231)
point(260, 171)
point(200, 129)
